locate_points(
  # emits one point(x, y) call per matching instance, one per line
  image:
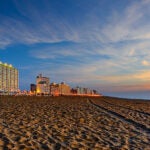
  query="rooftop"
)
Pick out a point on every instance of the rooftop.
point(7, 65)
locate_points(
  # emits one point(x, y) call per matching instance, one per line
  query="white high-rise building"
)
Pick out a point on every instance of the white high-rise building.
point(9, 81)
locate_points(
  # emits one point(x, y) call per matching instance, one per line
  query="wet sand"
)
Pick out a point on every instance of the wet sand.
point(75, 123)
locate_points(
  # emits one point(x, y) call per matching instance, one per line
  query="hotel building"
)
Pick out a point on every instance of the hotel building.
point(9, 82)
point(64, 88)
point(42, 85)
point(59, 89)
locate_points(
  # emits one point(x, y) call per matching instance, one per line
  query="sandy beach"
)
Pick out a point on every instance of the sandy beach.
point(74, 123)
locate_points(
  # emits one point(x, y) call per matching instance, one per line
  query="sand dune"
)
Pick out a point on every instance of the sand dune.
point(72, 123)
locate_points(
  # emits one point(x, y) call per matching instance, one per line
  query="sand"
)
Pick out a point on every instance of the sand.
point(73, 123)
point(131, 109)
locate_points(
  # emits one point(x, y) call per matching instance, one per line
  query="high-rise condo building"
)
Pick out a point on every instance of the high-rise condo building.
point(9, 79)
point(42, 85)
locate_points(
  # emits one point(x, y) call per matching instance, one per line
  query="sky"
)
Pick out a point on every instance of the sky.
point(100, 44)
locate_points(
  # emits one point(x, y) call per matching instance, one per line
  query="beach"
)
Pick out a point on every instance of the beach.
point(73, 123)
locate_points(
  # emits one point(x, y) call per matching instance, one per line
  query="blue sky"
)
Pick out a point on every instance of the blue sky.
point(101, 44)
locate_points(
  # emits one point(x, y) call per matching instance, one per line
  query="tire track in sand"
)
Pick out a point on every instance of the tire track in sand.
point(141, 112)
point(138, 126)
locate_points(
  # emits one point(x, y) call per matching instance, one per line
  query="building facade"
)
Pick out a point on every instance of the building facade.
point(33, 88)
point(64, 89)
point(83, 91)
point(42, 85)
point(60, 89)
point(9, 79)
point(54, 89)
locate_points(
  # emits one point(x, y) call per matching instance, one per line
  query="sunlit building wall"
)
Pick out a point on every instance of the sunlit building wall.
point(85, 91)
point(42, 85)
point(54, 89)
point(9, 78)
point(80, 90)
point(64, 89)
point(60, 89)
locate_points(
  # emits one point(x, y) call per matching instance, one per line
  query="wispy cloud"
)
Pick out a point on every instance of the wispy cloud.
point(49, 26)
point(131, 24)
point(46, 25)
point(145, 63)
point(88, 44)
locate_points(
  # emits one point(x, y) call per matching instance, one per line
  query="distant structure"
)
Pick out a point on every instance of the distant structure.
point(33, 88)
point(83, 91)
point(42, 85)
point(54, 89)
point(64, 88)
point(9, 79)
point(59, 89)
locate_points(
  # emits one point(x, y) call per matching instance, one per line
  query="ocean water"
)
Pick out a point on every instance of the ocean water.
point(145, 95)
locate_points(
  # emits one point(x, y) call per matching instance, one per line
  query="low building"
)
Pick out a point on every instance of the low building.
point(54, 89)
point(65, 89)
point(74, 91)
point(33, 88)
point(59, 89)
point(80, 90)
point(83, 91)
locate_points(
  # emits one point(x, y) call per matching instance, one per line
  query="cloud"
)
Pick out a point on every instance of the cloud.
point(145, 63)
point(131, 24)
point(4, 43)
point(131, 52)
point(124, 88)
point(49, 26)
point(138, 77)
point(106, 64)
point(83, 44)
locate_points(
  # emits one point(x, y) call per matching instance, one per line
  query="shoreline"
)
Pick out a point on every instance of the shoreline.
point(80, 95)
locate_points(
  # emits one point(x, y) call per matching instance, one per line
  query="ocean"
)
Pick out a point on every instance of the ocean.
point(145, 95)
